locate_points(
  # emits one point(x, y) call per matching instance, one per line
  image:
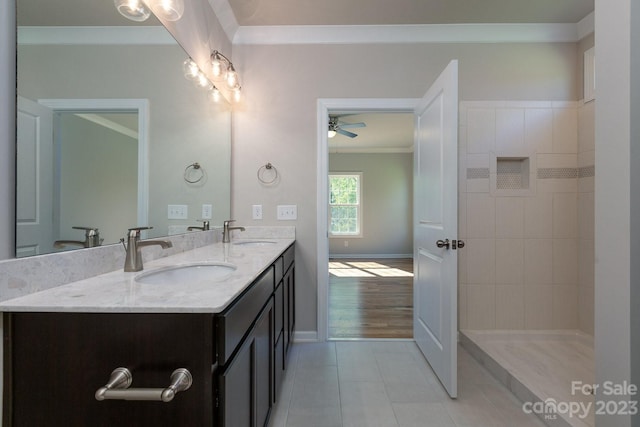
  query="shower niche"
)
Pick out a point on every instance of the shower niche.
point(514, 176)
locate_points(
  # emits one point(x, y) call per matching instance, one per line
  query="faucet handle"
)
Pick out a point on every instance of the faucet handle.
point(89, 231)
point(229, 221)
point(135, 231)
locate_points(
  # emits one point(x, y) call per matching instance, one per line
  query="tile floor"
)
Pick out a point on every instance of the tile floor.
point(388, 383)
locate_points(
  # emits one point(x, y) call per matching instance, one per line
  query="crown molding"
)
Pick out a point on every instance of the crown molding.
point(155, 35)
point(440, 33)
point(370, 150)
point(586, 26)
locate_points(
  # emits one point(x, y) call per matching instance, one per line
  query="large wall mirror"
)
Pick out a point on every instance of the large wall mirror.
point(110, 133)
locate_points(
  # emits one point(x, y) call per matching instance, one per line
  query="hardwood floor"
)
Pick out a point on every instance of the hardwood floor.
point(371, 298)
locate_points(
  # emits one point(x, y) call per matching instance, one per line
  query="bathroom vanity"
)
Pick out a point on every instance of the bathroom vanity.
point(232, 336)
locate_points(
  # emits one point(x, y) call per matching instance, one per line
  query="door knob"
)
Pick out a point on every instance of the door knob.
point(443, 243)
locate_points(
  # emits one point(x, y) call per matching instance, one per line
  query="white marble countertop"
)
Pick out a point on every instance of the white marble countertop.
point(119, 292)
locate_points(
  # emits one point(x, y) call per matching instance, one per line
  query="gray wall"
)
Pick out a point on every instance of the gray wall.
point(616, 336)
point(277, 121)
point(635, 198)
point(387, 186)
point(7, 129)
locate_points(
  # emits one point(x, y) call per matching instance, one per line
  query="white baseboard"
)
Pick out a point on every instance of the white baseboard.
point(305, 336)
point(370, 256)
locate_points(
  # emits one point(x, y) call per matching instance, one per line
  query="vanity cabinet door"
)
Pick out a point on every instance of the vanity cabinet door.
point(55, 362)
point(289, 306)
point(245, 385)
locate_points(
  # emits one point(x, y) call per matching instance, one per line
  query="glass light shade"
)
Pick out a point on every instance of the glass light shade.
point(171, 10)
point(134, 10)
point(216, 65)
point(190, 68)
point(231, 77)
point(203, 82)
point(331, 133)
point(215, 94)
point(237, 94)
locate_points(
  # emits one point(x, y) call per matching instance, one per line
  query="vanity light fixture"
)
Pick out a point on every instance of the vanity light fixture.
point(192, 72)
point(222, 68)
point(134, 10)
point(191, 69)
point(203, 82)
point(171, 10)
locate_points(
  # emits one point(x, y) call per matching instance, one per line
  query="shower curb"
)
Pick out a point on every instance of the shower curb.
point(517, 388)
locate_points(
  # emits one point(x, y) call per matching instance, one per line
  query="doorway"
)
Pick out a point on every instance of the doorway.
point(356, 290)
point(370, 225)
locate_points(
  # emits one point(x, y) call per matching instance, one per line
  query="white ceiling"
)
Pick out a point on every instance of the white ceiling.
point(402, 12)
point(73, 13)
point(383, 133)
point(326, 12)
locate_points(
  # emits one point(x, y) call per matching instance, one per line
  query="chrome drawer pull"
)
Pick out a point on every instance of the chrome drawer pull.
point(118, 387)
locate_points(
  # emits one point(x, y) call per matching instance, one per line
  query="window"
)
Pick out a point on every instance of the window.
point(345, 205)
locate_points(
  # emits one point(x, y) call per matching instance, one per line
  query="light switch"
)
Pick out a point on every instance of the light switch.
point(178, 212)
point(207, 211)
point(256, 211)
point(287, 212)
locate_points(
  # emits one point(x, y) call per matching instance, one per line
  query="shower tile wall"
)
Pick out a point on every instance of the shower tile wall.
point(526, 236)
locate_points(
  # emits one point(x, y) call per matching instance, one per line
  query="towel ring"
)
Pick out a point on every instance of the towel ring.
point(265, 170)
point(191, 170)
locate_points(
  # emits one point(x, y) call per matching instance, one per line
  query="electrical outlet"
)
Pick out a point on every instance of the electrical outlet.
point(177, 212)
point(256, 211)
point(287, 212)
point(207, 211)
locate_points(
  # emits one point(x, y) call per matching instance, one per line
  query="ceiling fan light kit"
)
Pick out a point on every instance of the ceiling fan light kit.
point(336, 126)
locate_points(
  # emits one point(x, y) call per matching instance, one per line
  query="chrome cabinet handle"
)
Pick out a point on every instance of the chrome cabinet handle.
point(443, 243)
point(118, 387)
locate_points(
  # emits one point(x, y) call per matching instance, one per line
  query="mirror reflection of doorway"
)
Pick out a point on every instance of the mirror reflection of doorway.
point(82, 163)
point(96, 172)
point(370, 226)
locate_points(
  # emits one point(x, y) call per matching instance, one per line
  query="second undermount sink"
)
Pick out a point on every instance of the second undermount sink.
point(203, 272)
point(254, 242)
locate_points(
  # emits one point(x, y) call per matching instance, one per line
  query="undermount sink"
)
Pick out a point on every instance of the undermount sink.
point(187, 273)
point(254, 242)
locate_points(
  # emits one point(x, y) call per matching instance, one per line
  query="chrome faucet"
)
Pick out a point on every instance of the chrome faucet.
point(226, 229)
point(133, 257)
point(205, 227)
point(91, 239)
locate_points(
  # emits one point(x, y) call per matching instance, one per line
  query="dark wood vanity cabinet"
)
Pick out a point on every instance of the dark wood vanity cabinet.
point(55, 362)
point(249, 380)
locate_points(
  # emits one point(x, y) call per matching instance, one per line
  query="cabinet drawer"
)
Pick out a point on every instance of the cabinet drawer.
point(58, 360)
point(278, 309)
point(233, 323)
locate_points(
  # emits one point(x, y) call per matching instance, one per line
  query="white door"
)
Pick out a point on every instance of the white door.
point(436, 219)
point(34, 182)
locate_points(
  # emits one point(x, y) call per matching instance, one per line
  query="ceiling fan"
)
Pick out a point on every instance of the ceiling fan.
point(337, 126)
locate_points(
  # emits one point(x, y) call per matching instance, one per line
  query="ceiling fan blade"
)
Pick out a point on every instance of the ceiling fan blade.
point(346, 133)
point(351, 125)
